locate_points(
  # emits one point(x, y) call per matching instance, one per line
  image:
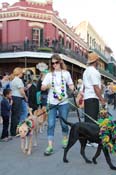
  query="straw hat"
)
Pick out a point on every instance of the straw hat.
point(92, 57)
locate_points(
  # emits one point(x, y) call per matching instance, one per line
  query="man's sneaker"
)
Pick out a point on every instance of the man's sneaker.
point(64, 142)
point(94, 145)
point(48, 151)
point(89, 144)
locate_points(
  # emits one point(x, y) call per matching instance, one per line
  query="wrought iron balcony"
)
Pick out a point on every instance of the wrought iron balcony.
point(107, 74)
point(20, 46)
point(76, 55)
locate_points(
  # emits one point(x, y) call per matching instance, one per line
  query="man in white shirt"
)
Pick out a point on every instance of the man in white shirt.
point(92, 88)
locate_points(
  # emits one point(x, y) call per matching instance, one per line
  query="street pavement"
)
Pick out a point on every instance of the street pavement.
point(14, 162)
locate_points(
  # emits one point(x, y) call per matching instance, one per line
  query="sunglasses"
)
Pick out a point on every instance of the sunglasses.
point(56, 62)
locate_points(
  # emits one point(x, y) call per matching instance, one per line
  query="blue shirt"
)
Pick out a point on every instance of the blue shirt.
point(5, 108)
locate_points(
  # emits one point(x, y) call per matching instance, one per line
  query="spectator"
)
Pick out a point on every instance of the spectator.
point(79, 85)
point(5, 81)
point(114, 93)
point(44, 94)
point(18, 94)
point(32, 92)
point(111, 93)
point(5, 112)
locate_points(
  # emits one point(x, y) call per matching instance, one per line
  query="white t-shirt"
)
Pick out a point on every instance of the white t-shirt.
point(16, 84)
point(57, 84)
point(91, 77)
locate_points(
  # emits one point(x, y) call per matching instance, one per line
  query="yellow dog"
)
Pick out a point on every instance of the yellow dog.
point(27, 130)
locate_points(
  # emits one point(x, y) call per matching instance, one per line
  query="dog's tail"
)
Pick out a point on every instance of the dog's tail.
point(66, 122)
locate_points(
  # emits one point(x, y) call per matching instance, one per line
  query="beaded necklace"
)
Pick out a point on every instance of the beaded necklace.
point(56, 95)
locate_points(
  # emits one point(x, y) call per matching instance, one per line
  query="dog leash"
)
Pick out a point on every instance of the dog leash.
point(54, 106)
point(78, 115)
point(84, 113)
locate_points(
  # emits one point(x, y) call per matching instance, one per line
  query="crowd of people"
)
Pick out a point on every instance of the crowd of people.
point(16, 96)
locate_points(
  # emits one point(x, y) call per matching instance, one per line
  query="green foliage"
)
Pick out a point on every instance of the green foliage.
point(45, 49)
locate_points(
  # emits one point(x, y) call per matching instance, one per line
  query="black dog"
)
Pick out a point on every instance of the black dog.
point(84, 132)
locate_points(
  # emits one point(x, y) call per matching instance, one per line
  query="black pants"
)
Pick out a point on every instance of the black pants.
point(91, 107)
point(5, 127)
point(15, 115)
point(114, 100)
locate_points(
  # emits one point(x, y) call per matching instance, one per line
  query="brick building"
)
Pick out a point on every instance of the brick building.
point(31, 31)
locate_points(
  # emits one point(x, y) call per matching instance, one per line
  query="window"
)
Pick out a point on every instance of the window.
point(37, 36)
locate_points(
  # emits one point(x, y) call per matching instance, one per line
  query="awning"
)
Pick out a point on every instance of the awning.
point(25, 54)
point(44, 55)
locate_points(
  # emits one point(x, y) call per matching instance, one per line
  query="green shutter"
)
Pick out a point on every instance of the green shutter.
point(41, 37)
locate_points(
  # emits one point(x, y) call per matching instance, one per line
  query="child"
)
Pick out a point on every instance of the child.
point(6, 104)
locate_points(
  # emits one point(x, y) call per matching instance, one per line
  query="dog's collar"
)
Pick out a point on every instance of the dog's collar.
point(29, 123)
point(32, 123)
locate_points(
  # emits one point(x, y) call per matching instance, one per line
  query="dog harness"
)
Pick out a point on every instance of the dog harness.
point(30, 123)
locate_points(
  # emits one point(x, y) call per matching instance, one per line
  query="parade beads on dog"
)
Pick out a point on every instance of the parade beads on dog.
point(28, 122)
point(108, 133)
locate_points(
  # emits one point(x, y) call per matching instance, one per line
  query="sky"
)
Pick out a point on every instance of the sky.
point(100, 13)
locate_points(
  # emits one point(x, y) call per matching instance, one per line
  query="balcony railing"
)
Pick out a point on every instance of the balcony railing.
point(76, 55)
point(107, 74)
point(19, 46)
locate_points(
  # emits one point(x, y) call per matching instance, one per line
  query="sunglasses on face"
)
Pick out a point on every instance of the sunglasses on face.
point(56, 62)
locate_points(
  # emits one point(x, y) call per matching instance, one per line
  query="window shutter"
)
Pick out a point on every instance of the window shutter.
point(41, 37)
